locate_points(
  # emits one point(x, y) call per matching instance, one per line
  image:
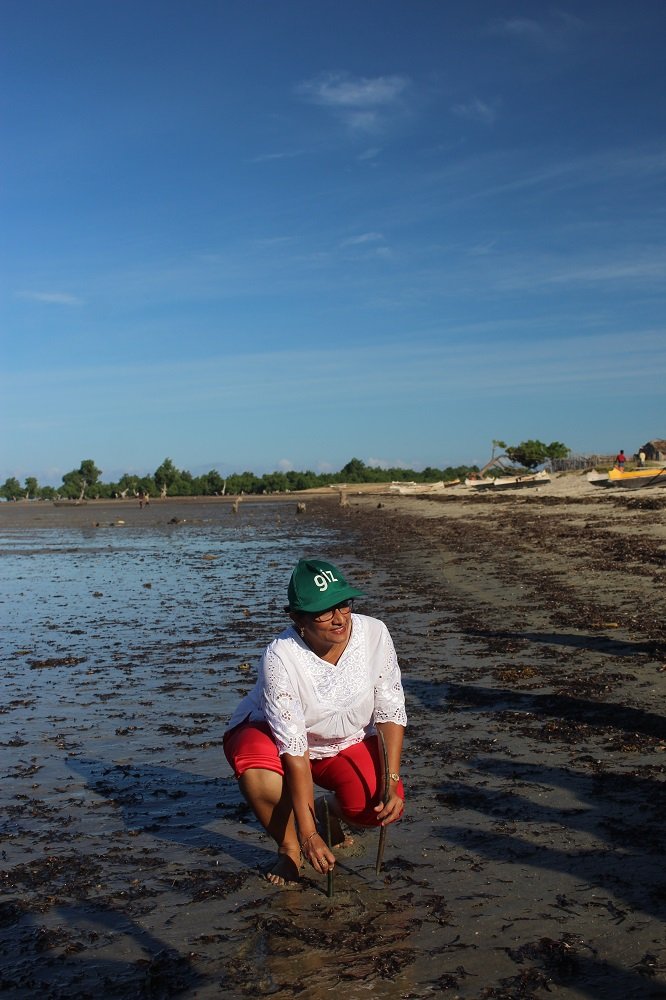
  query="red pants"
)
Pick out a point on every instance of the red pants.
point(353, 774)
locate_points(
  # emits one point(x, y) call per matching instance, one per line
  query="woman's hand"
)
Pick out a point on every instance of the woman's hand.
point(315, 850)
point(299, 779)
point(391, 810)
point(391, 806)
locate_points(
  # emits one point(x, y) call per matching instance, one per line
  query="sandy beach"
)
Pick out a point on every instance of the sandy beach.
point(529, 863)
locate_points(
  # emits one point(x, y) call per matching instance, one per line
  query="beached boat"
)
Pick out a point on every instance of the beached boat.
point(599, 479)
point(510, 482)
point(418, 489)
point(637, 479)
point(632, 479)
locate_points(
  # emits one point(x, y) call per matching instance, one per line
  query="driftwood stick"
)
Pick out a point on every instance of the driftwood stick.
point(327, 833)
point(387, 781)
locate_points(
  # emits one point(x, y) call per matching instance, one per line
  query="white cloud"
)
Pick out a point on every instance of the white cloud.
point(285, 465)
point(608, 165)
point(363, 103)
point(342, 90)
point(388, 385)
point(482, 249)
point(52, 298)
point(520, 27)
point(555, 32)
point(355, 241)
point(545, 271)
point(396, 371)
point(476, 110)
point(366, 246)
point(269, 157)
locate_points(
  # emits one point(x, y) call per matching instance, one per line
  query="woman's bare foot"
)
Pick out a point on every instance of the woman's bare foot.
point(284, 870)
point(339, 838)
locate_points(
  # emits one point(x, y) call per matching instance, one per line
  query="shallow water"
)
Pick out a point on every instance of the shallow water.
point(127, 643)
point(134, 613)
point(527, 862)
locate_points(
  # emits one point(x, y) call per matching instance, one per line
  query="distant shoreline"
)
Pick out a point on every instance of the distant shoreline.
point(568, 483)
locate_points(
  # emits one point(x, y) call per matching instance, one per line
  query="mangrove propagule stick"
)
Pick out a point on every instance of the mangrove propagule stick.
point(327, 832)
point(387, 781)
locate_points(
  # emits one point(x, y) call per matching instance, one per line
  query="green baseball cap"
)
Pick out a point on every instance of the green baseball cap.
point(316, 585)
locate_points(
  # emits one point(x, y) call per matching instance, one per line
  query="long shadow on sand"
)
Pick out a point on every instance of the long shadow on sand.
point(34, 969)
point(163, 803)
point(451, 696)
point(619, 820)
point(174, 805)
point(595, 643)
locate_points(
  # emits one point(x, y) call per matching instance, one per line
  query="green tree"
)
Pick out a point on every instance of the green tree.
point(11, 489)
point(166, 476)
point(355, 471)
point(104, 491)
point(31, 487)
point(557, 450)
point(275, 482)
point(214, 483)
point(73, 485)
point(89, 471)
point(532, 453)
point(147, 486)
point(244, 482)
point(127, 484)
point(184, 486)
point(528, 453)
point(77, 482)
point(301, 480)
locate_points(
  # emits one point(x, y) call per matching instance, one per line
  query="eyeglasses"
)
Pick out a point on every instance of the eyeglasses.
point(344, 607)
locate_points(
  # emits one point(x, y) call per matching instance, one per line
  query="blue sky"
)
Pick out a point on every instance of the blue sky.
point(279, 234)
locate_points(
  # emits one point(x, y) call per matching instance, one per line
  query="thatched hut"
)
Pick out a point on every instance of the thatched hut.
point(655, 451)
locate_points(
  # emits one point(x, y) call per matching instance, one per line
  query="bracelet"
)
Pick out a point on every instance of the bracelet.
point(308, 839)
point(394, 777)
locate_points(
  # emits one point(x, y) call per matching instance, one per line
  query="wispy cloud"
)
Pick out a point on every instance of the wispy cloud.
point(52, 298)
point(394, 379)
point(364, 104)
point(476, 110)
point(355, 241)
point(270, 157)
point(366, 246)
point(404, 370)
point(606, 166)
point(482, 249)
point(649, 270)
point(629, 270)
point(556, 31)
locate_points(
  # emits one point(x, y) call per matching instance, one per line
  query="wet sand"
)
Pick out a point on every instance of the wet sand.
point(531, 635)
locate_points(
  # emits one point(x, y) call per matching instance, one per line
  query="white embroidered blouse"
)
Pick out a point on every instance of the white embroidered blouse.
point(320, 707)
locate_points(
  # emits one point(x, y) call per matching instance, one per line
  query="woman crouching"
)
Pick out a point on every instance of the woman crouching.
point(326, 685)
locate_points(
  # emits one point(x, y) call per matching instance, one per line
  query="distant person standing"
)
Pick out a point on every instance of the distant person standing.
point(621, 459)
point(641, 458)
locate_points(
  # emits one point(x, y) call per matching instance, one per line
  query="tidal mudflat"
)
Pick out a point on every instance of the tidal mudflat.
point(529, 862)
